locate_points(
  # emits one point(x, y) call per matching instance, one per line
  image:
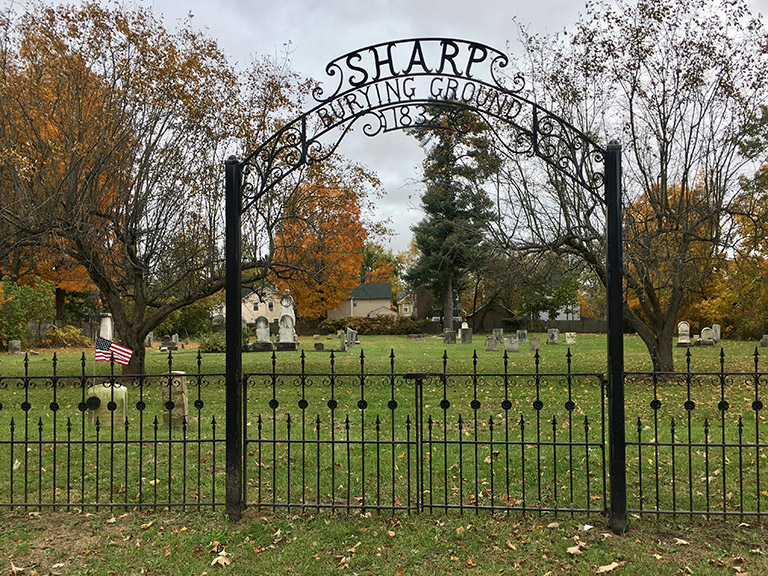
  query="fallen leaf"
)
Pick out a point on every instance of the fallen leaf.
point(15, 570)
point(112, 520)
point(588, 527)
point(460, 531)
point(469, 564)
point(511, 546)
point(221, 559)
point(391, 533)
point(553, 524)
point(609, 567)
point(681, 542)
point(147, 525)
point(574, 550)
point(343, 562)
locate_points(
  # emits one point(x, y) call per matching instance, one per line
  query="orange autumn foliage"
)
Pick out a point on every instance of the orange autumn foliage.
point(318, 248)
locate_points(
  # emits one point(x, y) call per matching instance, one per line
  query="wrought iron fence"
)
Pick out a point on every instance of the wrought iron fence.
point(391, 441)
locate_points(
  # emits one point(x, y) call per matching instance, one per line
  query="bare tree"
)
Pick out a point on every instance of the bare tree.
point(680, 84)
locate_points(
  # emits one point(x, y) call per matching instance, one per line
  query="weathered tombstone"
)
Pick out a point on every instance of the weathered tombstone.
point(490, 344)
point(286, 335)
point(319, 346)
point(286, 306)
point(175, 400)
point(352, 337)
point(716, 332)
point(105, 401)
point(498, 334)
point(263, 342)
point(14, 346)
point(466, 335)
point(165, 342)
point(553, 336)
point(570, 338)
point(533, 343)
point(707, 337)
point(522, 336)
point(106, 327)
point(764, 341)
point(511, 344)
point(149, 340)
point(449, 337)
point(342, 340)
point(175, 340)
point(683, 334)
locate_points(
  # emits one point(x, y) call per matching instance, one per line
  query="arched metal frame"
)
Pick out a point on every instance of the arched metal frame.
point(387, 87)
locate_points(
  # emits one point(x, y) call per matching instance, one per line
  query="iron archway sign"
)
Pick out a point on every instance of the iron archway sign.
point(387, 87)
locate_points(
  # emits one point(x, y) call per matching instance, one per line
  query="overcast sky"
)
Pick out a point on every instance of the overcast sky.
point(320, 30)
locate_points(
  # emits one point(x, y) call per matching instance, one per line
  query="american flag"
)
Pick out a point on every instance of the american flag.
point(105, 349)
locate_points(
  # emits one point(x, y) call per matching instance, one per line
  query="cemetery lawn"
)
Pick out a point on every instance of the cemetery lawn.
point(265, 542)
point(205, 542)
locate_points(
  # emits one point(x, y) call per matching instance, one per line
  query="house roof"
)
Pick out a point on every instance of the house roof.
point(493, 305)
point(372, 291)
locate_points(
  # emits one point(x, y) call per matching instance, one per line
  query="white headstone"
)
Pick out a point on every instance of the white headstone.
point(106, 327)
point(99, 398)
point(570, 338)
point(683, 334)
point(14, 346)
point(553, 336)
point(490, 344)
point(511, 344)
point(533, 343)
point(716, 332)
point(764, 341)
point(262, 329)
point(522, 336)
point(707, 336)
point(498, 334)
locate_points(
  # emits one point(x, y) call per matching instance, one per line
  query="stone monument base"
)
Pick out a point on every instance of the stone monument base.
point(285, 346)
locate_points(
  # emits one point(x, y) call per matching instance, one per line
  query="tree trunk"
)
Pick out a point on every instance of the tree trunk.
point(61, 310)
point(448, 304)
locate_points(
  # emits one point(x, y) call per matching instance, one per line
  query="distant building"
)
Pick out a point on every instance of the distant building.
point(266, 304)
point(406, 305)
point(366, 300)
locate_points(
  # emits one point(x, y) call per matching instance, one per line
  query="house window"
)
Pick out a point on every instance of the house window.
point(405, 308)
point(354, 304)
point(255, 306)
point(270, 306)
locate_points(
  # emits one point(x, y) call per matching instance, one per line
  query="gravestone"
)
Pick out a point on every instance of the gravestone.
point(263, 342)
point(490, 344)
point(175, 400)
point(149, 340)
point(286, 325)
point(511, 344)
point(449, 337)
point(286, 333)
point(683, 334)
point(522, 336)
point(716, 332)
point(764, 341)
point(553, 336)
point(466, 334)
point(319, 347)
point(100, 400)
point(498, 334)
point(106, 327)
point(14, 346)
point(570, 338)
point(167, 343)
point(533, 343)
point(352, 337)
point(175, 340)
point(707, 337)
point(342, 340)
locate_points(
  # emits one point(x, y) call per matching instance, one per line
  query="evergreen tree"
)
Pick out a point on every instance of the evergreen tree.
point(459, 159)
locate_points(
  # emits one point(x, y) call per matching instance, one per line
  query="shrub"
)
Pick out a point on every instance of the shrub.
point(68, 337)
point(214, 342)
point(372, 325)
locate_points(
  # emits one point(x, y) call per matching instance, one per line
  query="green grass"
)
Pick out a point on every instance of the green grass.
point(302, 541)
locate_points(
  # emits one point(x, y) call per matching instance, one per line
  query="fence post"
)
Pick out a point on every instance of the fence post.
point(234, 332)
point(614, 285)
